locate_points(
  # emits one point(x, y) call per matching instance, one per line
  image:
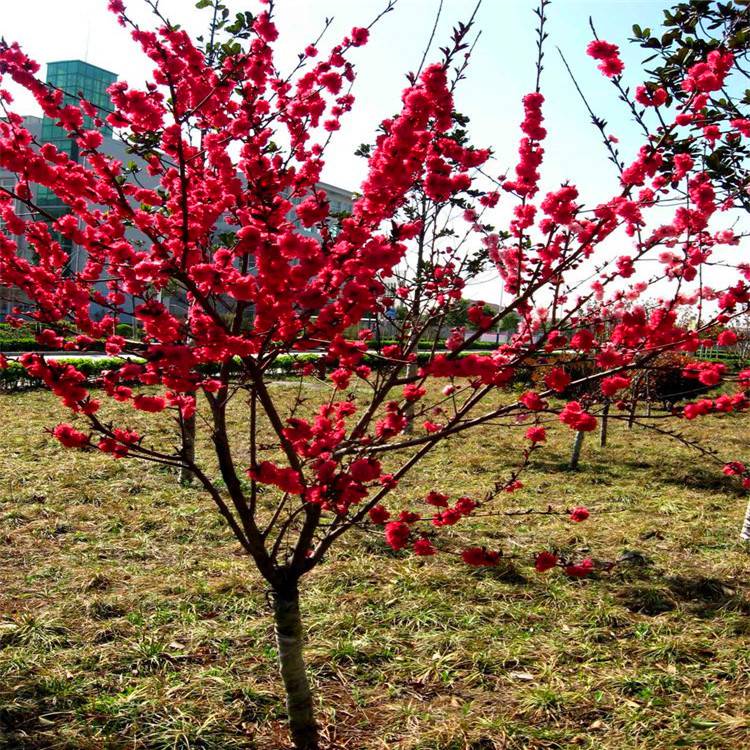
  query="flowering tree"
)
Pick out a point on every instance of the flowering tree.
point(695, 30)
point(234, 221)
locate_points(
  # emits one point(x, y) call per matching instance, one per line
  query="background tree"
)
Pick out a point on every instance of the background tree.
point(692, 31)
point(238, 225)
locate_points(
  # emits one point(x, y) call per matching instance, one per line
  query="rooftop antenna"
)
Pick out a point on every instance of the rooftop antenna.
point(88, 33)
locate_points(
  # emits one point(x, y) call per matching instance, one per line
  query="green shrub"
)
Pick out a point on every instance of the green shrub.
point(14, 376)
point(20, 344)
point(666, 383)
point(427, 345)
point(124, 329)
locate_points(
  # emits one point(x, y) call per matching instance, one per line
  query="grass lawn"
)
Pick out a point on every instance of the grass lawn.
point(129, 618)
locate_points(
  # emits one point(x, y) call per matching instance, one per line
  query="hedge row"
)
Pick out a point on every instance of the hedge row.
point(14, 376)
point(668, 382)
point(29, 343)
point(24, 344)
point(428, 345)
point(8, 332)
point(17, 339)
point(23, 339)
point(19, 345)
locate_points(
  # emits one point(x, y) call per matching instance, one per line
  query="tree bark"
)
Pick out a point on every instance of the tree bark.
point(188, 450)
point(299, 702)
point(745, 533)
point(604, 426)
point(631, 415)
point(411, 371)
point(576, 454)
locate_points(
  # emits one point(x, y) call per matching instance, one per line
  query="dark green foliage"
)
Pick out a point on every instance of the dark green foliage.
point(668, 384)
point(691, 31)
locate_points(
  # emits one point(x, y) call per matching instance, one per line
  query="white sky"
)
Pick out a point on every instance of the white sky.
point(501, 72)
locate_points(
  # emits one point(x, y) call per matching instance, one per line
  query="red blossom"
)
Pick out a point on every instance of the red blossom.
point(447, 517)
point(438, 499)
point(359, 36)
point(480, 557)
point(465, 505)
point(536, 434)
point(265, 28)
point(609, 56)
point(576, 418)
point(423, 547)
point(614, 383)
point(533, 401)
point(709, 75)
point(579, 514)
point(413, 392)
point(734, 468)
point(581, 569)
point(655, 97)
point(397, 534)
point(379, 514)
point(286, 479)
point(726, 338)
point(70, 437)
point(149, 403)
point(557, 379)
point(560, 206)
point(341, 378)
point(545, 561)
point(365, 469)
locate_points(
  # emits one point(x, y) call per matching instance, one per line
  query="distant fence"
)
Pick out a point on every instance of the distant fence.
point(729, 356)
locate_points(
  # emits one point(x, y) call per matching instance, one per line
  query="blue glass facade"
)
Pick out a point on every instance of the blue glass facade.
point(78, 80)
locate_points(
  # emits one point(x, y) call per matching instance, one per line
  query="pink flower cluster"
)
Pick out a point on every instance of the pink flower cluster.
point(609, 56)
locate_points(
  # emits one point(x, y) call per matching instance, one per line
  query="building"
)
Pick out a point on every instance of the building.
point(81, 79)
point(76, 79)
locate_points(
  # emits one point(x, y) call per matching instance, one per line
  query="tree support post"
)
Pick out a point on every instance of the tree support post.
point(745, 533)
point(576, 454)
point(188, 450)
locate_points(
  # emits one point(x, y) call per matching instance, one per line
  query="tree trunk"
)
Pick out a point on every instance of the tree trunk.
point(631, 415)
point(411, 371)
point(576, 454)
point(299, 700)
point(604, 426)
point(745, 533)
point(188, 450)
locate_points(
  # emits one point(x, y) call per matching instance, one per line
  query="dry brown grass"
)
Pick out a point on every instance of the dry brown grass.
point(129, 619)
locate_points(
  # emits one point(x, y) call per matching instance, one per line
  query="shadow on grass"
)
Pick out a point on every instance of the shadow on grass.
point(599, 469)
point(707, 596)
point(702, 481)
point(701, 596)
